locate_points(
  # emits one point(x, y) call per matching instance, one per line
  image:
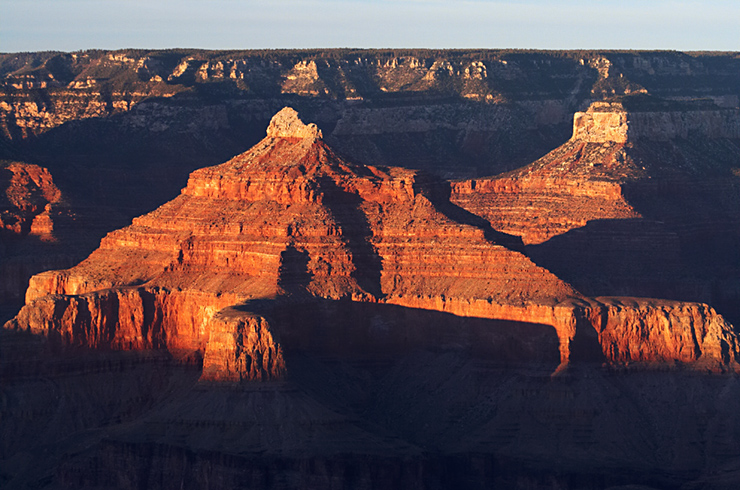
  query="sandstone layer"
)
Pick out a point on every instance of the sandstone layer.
point(40, 229)
point(288, 221)
point(29, 192)
point(397, 341)
point(461, 114)
point(120, 131)
point(611, 148)
point(643, 200)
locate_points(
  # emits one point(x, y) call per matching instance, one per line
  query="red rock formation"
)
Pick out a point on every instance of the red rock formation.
point(241, 347)
point(576, 183)
point(33, 216)
point(643, 200)
point(290, 218)
point(25, 204)
point(584, 179)
point(634, 330)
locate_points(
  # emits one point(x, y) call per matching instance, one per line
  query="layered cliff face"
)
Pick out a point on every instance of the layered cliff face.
point(611, 148)
point(289, 220)
point(642, 200)
point(29, 192)
point(33, 218)
point(287, 217)
point(121, 131)
point(457, 113)
point(98, 83)
point(292, 319)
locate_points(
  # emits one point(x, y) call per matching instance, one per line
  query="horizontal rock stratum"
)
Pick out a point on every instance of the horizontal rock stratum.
point(289, 223)
point(657, 145)
point(643, 200)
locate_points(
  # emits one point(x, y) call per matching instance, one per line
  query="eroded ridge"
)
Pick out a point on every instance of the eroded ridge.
point(289, 222)
point(615, 145)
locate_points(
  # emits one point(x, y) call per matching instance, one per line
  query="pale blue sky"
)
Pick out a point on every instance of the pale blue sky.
point(69, 25)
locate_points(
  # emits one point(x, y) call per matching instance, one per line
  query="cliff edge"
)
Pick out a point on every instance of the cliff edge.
point(290, 222)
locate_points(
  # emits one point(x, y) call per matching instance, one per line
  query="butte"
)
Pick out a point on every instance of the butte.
point(262, 252)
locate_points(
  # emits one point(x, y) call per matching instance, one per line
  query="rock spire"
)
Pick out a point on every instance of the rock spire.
point(287, 124)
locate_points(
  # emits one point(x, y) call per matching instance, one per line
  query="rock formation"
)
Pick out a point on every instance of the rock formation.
point(584, 179)
point(459, 113)
point(288, 221)
point(109, 125)
point(293, 320)
point(642, 201)
point(28, 195)
point(39, 229)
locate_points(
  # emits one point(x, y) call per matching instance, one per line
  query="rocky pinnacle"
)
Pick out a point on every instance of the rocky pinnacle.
point(287, 124)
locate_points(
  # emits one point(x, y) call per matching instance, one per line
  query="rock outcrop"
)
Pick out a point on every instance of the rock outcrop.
point(458, 113)
point(289, 220)
point(241, 347)
point(584, 179)
point(29, 193)
point(292, 267)
point(606, 122)
point(30, 207)
point(643, 192)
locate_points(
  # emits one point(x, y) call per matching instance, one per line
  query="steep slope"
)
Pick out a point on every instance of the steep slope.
point(643, 200)
point(289, 221)
point(39, 229)
point(122, 130)
point(293, 320)
point(457, 113)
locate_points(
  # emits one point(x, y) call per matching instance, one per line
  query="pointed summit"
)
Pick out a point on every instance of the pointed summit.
point(287, 124)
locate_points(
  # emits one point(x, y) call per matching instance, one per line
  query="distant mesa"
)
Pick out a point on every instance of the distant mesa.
point(643, 117)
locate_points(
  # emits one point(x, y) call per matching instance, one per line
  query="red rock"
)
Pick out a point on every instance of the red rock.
point(241, 347)
point(586, 178)
point(28, 192)
point(291, 218)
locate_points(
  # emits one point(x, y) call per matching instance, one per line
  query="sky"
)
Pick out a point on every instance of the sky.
point(72, 25)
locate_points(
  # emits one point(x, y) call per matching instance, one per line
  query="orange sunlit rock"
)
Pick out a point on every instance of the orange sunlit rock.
point(291, 219)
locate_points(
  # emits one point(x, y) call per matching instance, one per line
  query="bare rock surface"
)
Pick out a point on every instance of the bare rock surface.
point(642, 201)
point(287, 124)
point(292, 319)
point(290, 218)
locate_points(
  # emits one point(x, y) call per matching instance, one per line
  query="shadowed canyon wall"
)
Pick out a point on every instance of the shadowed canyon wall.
point(296, 319)
point(643, 200)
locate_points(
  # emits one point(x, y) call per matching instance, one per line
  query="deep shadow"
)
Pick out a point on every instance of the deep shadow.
point(703, 212)
point(613, 257)
point(585, 347)
point(438, 191)
point(357, 331)
point(357, 234)
point(686, 248)
point(293, 274)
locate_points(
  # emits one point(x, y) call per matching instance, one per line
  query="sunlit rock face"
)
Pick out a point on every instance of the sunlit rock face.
point(643, 200)
point(33, 218)
point(288, 221)
point(606, 122)
point(613, 145)
point(28, 193)
point(295, 320)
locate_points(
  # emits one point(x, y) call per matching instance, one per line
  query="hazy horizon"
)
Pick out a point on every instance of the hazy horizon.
point(73, 25)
